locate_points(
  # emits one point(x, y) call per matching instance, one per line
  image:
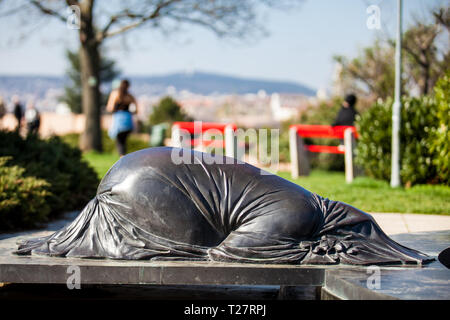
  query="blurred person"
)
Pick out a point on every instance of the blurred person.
point(122, 121)
point(32, 118)
point(2, 110)
point(347, 113)
point(18, 111)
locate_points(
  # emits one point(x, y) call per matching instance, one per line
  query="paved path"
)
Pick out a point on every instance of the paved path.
point(395, 223)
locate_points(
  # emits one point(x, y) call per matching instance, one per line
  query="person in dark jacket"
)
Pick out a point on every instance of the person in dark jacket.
point(18, 111)
point(347, 113)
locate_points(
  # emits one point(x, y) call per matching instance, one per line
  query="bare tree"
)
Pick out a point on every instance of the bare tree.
point(370, 74)
point(419, 44)
point(426, 61)
point(100, 20)
point(442, 17)
point(427, 57)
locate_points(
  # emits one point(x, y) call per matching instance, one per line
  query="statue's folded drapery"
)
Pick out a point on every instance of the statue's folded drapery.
point(148, 207)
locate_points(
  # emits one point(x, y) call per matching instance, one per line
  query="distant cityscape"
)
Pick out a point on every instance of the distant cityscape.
point(204, 96)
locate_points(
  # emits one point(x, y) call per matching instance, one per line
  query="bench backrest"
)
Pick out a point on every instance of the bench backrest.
point(201, 128)
point(322, 131)
point(205, 126)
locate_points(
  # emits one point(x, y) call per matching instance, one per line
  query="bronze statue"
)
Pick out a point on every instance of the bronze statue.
point(148, 207)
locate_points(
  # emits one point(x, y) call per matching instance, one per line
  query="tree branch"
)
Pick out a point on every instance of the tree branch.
point(198, 22)
point(47, 10)
point(72, 2)
point(442, 16)
point(423, 42)
point(104, 33)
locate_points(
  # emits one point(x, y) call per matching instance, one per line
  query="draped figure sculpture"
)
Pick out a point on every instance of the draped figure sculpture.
point(149, 207)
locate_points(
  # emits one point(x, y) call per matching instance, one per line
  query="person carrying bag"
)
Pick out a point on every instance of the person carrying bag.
point(122, 120)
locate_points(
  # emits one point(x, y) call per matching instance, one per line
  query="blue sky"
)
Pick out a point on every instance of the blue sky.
point(299, 47)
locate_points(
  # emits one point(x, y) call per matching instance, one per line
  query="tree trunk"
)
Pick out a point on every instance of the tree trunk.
point(90, 98)
point(91, 138)
point(426, 79)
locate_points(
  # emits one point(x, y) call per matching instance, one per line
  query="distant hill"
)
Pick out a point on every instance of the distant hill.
point(197, 82)
point(37, 86)
point(208, 83)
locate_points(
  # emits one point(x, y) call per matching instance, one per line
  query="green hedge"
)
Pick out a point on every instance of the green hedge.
point(134, 143)
point(72, 182)
point(440, 143)
point(419, 122)
point(23, 200)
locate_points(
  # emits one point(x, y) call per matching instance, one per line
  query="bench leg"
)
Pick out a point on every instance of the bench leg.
point(299, 155)
point(349, 146)
point(231, 143)
point(176, 139)
point(180, 138)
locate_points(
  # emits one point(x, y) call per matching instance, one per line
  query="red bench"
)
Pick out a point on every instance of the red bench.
point(199, 131)
point(298, 149)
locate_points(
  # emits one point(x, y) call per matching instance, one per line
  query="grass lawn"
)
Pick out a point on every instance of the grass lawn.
point(364, 193)
point(376, 196)
point(101, 162)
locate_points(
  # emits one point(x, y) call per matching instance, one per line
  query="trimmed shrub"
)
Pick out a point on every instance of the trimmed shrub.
point(72, 182)
point(373, 150)
point(134, 143)
point(440, 143)
point(23, 200)
point(418, 122)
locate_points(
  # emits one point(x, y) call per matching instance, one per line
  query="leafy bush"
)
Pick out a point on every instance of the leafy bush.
point(168, 110)
point(285, 155)
point(72, 182)
point(135, 143)
point(373, 150)
point(23, 200)
point(440, 143)
point(323, 113)
point(418, 122)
